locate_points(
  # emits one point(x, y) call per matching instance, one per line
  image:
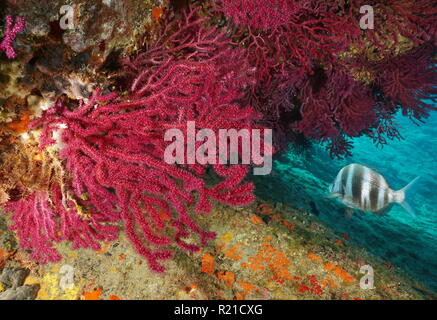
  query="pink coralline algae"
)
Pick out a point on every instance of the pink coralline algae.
point(114, 147)
point(10, 33)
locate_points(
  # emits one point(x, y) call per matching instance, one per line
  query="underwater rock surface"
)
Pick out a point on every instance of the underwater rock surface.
point(293, 256)
point(12, 285)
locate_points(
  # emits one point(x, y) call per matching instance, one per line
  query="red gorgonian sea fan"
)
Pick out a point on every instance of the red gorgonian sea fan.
point(333, 106)
point(41, 219)
point(408, 81)
point(288, 41)
point(10, 33)
point(282, 33)
point(114, 148)
point(115, 154)
point(415, 20)
point(187, 39)
point(267, 15)
point(285, 41)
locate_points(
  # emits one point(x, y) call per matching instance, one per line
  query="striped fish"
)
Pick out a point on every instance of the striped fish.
point(362, 188)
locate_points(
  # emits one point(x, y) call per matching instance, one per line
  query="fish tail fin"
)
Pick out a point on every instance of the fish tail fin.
point(407, 193)
point(331, 195)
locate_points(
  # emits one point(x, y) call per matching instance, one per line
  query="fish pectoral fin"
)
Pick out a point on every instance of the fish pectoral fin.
point(332, 195)
point(348, 213)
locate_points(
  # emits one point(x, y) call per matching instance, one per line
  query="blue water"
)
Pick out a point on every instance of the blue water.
point(409, 243)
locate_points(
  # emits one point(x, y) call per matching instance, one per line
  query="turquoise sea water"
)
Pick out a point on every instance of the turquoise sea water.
point(407, 242)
